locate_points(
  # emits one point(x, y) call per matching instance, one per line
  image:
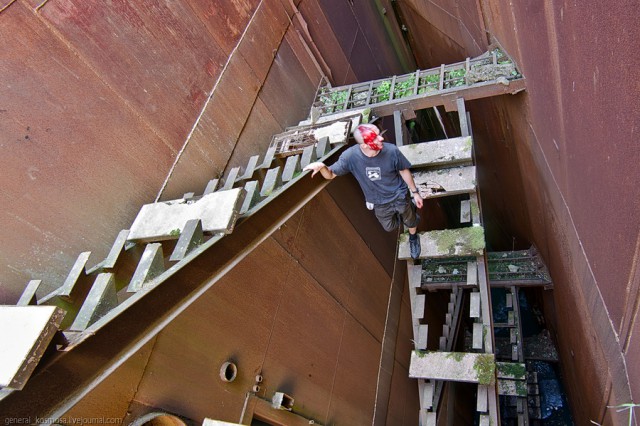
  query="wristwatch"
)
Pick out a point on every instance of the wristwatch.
point(415, 192)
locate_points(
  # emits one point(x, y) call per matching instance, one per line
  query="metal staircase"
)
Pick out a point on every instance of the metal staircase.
point(176, 250)
point(490, 74)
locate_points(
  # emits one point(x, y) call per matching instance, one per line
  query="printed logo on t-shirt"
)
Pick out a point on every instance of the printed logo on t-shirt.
point(373, 173)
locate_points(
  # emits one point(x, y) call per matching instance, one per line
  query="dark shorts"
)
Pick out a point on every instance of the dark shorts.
point(389, 215)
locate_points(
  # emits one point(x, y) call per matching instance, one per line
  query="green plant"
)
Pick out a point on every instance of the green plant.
point(404, 88)
point(455, 77)
point(382, 91)
point(333, 101)
point(428, 83)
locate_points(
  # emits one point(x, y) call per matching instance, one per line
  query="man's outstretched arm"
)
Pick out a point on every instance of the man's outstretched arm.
point(322, 168)
point(407, 177)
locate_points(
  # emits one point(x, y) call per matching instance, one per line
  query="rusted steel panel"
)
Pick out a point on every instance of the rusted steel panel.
point(73, 178)
point(220, 125)
point(225, 20)
point(325, 41)
point(591, 159)
point(158, 58)
point(472, 27)
point(356, 375)
point(441, 48)
point(632, 357)
point(287, 89)
point(364, 273)
point(340, 20)
point(256, 135)
point(300, 353)
point(441, 14)
point(260, 43)
point(114, 398)
point(376, 47)
point(303, 55)
point(236, 318)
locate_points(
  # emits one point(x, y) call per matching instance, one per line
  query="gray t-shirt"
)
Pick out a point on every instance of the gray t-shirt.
point(378, 176)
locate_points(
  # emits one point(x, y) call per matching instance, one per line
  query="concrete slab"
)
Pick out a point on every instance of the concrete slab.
point(465, 211)
point(421, 339)
point(508, 387)
point(336, 132)
point(511, 370)
point(472, 273)
point(417, 310)
point(477, 335)
point(427, 394)
point(160, 221)
point(25, 331)
point(453, 366)
point(485, 420)
point(211, 422)
point(438, 153)
point(481, 400)
point(474, 305)
point(446, 243)
point(445, 182)
point(428, 418)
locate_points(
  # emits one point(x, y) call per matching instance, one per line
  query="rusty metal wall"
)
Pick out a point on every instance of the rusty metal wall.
point(559, 168)
point(112, 105)
point(97, 102)
point(304, 310)
point(108, 106)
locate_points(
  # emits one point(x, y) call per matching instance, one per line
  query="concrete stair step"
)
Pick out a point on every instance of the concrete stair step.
point(446, 152)
point(445, 182)
point(445, 243)
point(26, 332)
point(453, 366)
point(165, 220)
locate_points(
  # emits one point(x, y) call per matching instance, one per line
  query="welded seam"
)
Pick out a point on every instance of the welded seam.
point(338, 302)
point(620, 354)
point(266, 349)
point(629, 318)
point(7, 5)
point(99, 76)
point(41, 5)
point(204, 107)
point(144, 372)
point(335, 369)
point(386, 327)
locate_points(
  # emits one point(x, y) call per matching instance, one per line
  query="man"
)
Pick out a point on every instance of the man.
point(383, 174)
